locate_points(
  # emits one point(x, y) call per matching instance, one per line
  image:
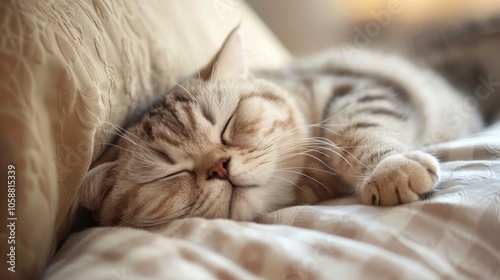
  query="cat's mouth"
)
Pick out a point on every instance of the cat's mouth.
point(239, 186)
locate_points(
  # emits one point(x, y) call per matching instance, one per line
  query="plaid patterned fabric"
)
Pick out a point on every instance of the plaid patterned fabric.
point(453, 235)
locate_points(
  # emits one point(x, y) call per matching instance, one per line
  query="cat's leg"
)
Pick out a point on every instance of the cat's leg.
point(376, 132)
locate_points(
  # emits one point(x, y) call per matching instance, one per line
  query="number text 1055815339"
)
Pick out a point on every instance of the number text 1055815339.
point(11, 217)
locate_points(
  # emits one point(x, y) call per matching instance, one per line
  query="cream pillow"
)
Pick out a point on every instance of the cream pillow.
point(67, 69)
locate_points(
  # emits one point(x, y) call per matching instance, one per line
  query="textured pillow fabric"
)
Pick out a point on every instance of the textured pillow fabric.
point(70, 68)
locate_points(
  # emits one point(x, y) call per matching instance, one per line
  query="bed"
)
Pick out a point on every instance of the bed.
point(68, 70)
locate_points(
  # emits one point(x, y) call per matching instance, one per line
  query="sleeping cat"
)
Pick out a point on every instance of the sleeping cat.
point(227, 143)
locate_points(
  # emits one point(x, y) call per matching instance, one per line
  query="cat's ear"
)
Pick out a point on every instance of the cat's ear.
point(98, 181)
point(230, 62)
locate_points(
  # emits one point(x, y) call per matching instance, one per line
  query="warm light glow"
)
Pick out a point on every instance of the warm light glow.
point(422, 10)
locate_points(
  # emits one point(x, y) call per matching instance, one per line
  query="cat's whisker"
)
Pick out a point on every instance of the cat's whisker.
point(317, 145)
point(281, 178)
point(260, 155)
point(324, 127)
point(190, 43)
point(364, 164)
point(257, 146)
point(332, 148)
point(310, 168)
point(301, 148)
point(114, 125)
point(128, 139)
point(308, 140)
point(319, 125)
point(336, 114)
point(123, 133)
point(307, 176)
point(279, 137)
point(288, 143)
point(215, 69)
point(266, 162)
point(312, 144)
point(304, 146)
point(188, 93)
point(114, 145)
point(321, 140)
point(130, 133)
point(285, 148)
point(316, 158)
point(121, 129)
point(346, 160)
point(335, 172)
point(314, 150)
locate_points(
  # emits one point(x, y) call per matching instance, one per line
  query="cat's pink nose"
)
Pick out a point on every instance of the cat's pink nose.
point(219, 170)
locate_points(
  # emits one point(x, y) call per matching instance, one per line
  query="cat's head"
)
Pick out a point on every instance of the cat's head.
point(219, 145)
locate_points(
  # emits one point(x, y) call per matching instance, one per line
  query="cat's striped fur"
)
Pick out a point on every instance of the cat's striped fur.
point(227, 144)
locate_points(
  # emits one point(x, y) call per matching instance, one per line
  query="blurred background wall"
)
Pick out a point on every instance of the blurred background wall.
point(306, 27)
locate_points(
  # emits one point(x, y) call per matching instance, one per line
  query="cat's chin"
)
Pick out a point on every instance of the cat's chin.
point(248, 204)
point(240, 208)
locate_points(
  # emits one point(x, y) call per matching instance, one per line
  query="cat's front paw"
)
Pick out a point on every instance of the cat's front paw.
point(400, 178)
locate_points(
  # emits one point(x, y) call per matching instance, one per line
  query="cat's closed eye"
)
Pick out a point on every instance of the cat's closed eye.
point(168, 176)
point(164, 156)
point(222, 138)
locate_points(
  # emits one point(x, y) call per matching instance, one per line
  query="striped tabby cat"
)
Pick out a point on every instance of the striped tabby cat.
point(230, 144)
